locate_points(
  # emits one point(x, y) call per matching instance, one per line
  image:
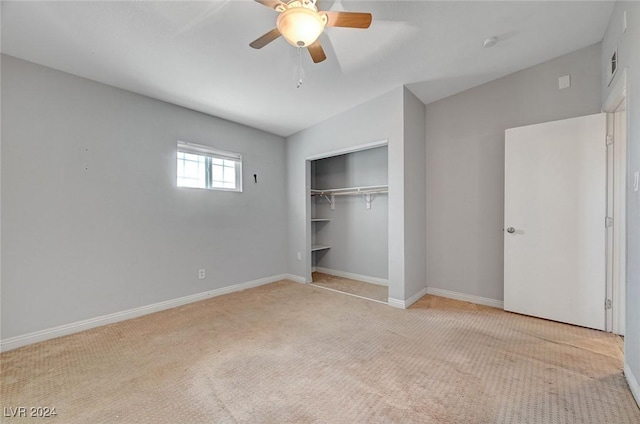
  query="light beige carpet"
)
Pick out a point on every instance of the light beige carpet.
point(293, 353)
point(346, 285)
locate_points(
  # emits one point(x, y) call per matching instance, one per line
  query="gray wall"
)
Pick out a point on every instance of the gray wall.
point(358, 236)
point(414, 194)
point(363, 168)
point(378, 119)
point(628, 44)
point(386, 117)
point(92, 220)
point(465, 164)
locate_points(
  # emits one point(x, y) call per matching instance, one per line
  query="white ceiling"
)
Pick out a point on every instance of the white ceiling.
point(197, 54)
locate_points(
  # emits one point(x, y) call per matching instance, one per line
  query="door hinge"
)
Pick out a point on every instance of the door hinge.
point(609, 139)
point(608, 222)
point(607, 304)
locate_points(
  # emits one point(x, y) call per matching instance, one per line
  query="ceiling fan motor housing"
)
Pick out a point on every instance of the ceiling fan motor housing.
point(301, 24)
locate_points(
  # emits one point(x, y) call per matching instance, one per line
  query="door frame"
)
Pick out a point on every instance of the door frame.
point(615, 105)
point(307, 166)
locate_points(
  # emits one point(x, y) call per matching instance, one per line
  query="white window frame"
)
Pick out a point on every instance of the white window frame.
point(212, 153)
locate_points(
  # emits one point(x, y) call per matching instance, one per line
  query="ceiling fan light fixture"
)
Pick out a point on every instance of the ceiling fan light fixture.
point(300, 26)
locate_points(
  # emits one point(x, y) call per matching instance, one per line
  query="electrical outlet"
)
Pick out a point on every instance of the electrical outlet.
point(201, 274)
point(299, 256)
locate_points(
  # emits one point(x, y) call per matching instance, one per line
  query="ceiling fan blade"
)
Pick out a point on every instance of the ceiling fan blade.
point(348, 19)
point(317, 52)
point(265, 39)
point(272, 4)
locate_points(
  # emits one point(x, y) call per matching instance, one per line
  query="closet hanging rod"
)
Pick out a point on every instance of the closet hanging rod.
point(351, 193)
point(351, 190)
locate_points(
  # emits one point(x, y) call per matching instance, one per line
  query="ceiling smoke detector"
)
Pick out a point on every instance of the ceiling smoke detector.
point(489, 42)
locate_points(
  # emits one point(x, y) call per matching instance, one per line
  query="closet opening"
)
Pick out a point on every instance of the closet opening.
point(348, 221)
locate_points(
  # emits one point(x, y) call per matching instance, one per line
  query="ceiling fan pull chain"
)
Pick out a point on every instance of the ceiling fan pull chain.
point(299, 67)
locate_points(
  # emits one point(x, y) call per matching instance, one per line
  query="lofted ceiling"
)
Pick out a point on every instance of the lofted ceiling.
point(197, 55)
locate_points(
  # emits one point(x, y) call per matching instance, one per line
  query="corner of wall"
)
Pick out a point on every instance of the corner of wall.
point(634, 385)
point(414, 194)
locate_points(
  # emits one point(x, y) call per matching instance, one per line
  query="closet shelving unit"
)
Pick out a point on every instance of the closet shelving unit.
point(317, 247)
point(367, 192)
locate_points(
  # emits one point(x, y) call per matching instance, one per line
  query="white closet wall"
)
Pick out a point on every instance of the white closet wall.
point(358, 236)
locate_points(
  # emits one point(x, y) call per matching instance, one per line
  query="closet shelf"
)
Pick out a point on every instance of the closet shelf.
point(347, 191)
point(317, 247)
point(368, 192)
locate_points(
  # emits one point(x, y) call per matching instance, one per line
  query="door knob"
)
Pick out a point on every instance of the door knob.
point(511, 230)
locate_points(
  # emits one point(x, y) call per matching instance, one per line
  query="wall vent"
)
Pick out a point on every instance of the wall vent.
point(613, 65)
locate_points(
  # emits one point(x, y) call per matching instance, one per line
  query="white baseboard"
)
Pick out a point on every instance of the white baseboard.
point(396, 303)
point(633, 383)
point(296, 278)
point(75, 327)
point(352, 276)
point(466, 297)
point(404, 304)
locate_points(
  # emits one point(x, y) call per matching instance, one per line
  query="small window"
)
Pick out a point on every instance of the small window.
point(205, 167)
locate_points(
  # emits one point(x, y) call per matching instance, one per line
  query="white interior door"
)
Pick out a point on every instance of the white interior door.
point(555, 206)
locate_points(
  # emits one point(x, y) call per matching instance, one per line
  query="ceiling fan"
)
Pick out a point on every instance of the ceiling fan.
point(301, 23)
